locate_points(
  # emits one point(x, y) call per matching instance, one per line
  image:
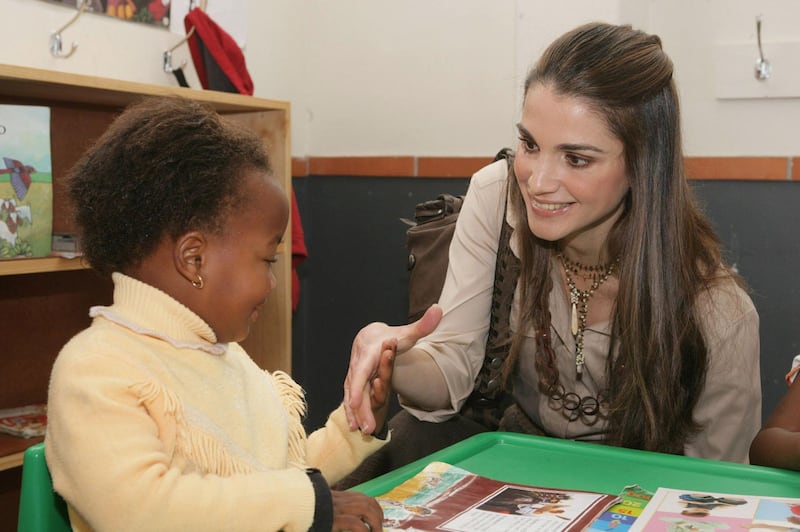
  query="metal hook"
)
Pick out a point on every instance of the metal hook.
point(202, 5)
point(763, 68)
point(168, 68)
point(55, 37)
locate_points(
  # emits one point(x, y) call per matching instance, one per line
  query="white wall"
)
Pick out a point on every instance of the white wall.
point(107, 47)
point(689, 29)
point(422, 77)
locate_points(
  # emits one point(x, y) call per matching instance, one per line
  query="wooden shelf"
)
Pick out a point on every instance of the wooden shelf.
point(12, 450)
point(47, 299)
point(41, 265)
point(63, 87)
point(11, 460)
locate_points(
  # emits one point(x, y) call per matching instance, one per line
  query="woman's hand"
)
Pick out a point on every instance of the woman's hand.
point(356, 512)
point(366, 355)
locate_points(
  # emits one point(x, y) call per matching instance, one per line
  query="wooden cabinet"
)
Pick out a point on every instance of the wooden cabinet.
point(44, 301)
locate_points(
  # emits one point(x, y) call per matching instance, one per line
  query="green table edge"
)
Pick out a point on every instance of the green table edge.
point(657, 470)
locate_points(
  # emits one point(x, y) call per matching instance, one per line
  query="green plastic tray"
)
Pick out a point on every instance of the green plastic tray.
point(556, 463)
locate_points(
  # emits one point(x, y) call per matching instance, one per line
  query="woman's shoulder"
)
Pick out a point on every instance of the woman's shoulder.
point(491, 175)
point(724, 294)
point(487, 192)
point(724, 305)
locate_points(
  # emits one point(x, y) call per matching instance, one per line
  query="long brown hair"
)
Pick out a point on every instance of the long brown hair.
point(668, 250)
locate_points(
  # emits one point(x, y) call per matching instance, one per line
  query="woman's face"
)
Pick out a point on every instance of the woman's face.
point(571, 171)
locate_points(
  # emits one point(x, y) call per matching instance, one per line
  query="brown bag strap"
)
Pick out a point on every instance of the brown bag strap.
point(498, 341)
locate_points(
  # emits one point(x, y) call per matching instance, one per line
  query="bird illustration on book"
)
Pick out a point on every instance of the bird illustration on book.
point(20, 175)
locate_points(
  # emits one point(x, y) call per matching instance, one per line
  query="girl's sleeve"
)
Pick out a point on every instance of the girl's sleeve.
point(795, 369)
point(336, 450)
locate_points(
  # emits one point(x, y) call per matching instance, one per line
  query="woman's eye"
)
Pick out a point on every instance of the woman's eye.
point(576, 160)
point(528, 145)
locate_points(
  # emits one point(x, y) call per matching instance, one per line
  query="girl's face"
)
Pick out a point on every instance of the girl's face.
point(237, 264)
point(571, 171)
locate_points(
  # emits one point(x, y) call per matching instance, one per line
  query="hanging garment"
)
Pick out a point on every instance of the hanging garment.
point(218, 60)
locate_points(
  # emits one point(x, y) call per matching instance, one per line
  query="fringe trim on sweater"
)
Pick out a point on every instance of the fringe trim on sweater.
point(193, 445)
point(293, 399)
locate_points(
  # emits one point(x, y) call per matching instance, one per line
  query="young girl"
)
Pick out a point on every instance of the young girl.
point(777, 444)
point(626, 323)
point(158, 420)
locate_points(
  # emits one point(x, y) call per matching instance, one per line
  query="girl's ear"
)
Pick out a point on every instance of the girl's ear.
point(189, 254)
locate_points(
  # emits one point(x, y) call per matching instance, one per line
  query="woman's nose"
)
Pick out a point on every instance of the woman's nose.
point(541, 180)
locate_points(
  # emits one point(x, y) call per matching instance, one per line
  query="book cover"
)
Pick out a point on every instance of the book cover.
point(26, 421)
point(26, 181)
point(677, 510)
point(621, 516)
point(445, 497)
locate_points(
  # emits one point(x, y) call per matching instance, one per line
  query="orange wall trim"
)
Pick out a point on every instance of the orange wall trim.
point(450, 166)
point(747, 168)
point(363, 166)
point(299, 166)
point(736, 168)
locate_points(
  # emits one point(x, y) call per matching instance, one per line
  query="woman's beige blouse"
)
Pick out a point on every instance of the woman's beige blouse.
point(729, 408)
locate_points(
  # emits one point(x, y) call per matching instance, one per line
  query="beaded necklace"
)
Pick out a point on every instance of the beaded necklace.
point(580, 299)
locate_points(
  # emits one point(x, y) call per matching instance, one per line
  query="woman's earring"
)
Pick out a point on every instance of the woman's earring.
point(199, 283)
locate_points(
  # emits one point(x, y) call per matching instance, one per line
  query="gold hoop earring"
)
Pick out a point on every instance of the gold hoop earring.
point(199, 283)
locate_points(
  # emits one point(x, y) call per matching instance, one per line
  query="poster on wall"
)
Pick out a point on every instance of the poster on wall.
point(155, 12)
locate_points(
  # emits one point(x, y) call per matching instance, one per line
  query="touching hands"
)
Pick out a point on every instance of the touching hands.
point(367, 385)
point(355, 511)
point(380, 389)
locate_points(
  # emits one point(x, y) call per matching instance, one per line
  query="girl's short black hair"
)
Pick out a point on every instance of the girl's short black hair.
point(165, 166)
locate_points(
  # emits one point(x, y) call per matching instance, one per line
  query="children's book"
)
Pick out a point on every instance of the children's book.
point(445, 497)
point(679, 510)
point(26, 421)
point(621, 516)
point(26, 181)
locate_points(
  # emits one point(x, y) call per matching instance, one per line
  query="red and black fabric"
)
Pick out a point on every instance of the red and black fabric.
point(218, 60)
point(299, 251)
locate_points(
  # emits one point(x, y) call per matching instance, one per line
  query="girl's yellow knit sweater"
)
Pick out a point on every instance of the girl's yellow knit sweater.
point(152, 425)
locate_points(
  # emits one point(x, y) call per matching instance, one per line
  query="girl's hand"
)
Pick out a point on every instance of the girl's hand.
point(381, 388)
point(356, 512)
point(366, 356)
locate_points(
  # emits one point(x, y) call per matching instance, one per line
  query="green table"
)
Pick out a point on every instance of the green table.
point(555, 463)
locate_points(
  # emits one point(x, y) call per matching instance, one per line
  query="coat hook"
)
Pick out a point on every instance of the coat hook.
point(763, 68)
point(168, 68)
point(193, 4)
point(55, 37)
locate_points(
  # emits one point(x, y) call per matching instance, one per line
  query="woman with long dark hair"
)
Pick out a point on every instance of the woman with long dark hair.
point(627, 327)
